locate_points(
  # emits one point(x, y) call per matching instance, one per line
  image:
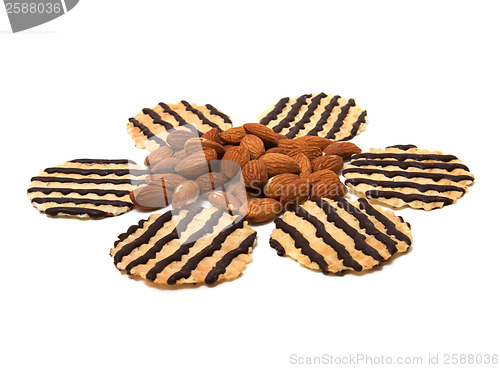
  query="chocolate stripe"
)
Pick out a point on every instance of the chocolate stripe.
point(408, 197)
point(100, 172)
point(340, 119)
point(179, 118)
point(216, 112)
point(367, 225)
point(143, 238)
point(403, 147)
point(342, 253)
point(157, 118)
point(55, 179)
point(148, 133)
point(102, 161)
point(359, 239)
point(324, 116)
point(95, 202)
point(158, 246)
point(405, 184)
point(66, 191)
point(200, 115)
point(292, 114)
point(355, 126)
point(225, 261)
point(406, 164)
point(302, 244)
point(75, 211)
point(132, 229)
point(209, 250)
point(409, 174)
point(405, 156)
point(307, 116)
point(278, 109)
point(277, 246)
point(389, 225)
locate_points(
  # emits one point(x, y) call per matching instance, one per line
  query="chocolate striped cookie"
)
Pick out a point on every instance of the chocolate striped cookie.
point(203, 245)
point(336, 235)
point(86, 188)
point(323, 115)
point(404, 175)
point(150, 127)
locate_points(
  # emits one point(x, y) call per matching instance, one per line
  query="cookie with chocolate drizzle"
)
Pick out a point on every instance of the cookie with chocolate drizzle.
point(404, 175)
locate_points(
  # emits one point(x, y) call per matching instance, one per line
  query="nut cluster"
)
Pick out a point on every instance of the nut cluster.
point(249, 169)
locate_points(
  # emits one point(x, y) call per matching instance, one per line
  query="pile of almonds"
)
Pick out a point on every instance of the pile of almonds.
point(256, 171)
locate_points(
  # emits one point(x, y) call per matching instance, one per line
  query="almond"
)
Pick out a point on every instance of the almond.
point(314, 141)
point(330, 162)
point(343, 149)
point(158, 155)
point(228, 146)
point(265, 133)
point(213, 135)
point(291, 145)
point(261, 209)
point(233, 161)
point(275, 150)
point(310, 152)
point(280, 136)
point(177, 138)
point(304, 165)
point(150, 197)
point(192, 145)
point(194, 165)
point(185, 194)
point(168, 181)
point(217, 147)
point(275, 187)
point(254, 145)
point(321, 175)
point(233, 135)
point(166, 165)
point(197, 144)
point(210, 181)
point(224, 201)
point(295, 193)
point(254, 174)
point(328, 188)
point(277, 163)
point(180, 154)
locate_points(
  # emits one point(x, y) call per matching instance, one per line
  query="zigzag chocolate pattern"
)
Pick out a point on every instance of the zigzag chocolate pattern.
point(149, 128)
point(404, 175)
point(320, 114)
point(86, 188)
point(337, 236)
point(203, 245)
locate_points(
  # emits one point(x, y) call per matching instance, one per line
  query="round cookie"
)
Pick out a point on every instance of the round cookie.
point(149, 128)
point(202, 245)
point(86, 188)
point(323, 115)
point(334, 236)
point(404, 175)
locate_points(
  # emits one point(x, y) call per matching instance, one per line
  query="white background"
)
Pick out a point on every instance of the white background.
point(428, 74)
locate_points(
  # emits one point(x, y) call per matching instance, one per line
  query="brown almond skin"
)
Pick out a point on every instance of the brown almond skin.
point(177, 138)
point(254, 145)
point(314, 141)
point(233, 135)
point(217, 147)
point(304, 165)
point(150, 197)
point(275, 187)
point(275, 150)
point(310, 152)
point(185, 194)
point(213, 135)
point(277, 163)
point(280, 136)
point(291, 145)
point(261, 209)
point(192, 145)
point(210, 181)
point(328, 188)
point(295, 193)
point(194, 165)
point(167, 165)
point(343, 149)
point(181, 155)
point(321, 175)
point(234, 160)
point(224, 201)
point(330, 162)
point(254, 174)
point(158, 155)
point(168, 181)
point(265, 133)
